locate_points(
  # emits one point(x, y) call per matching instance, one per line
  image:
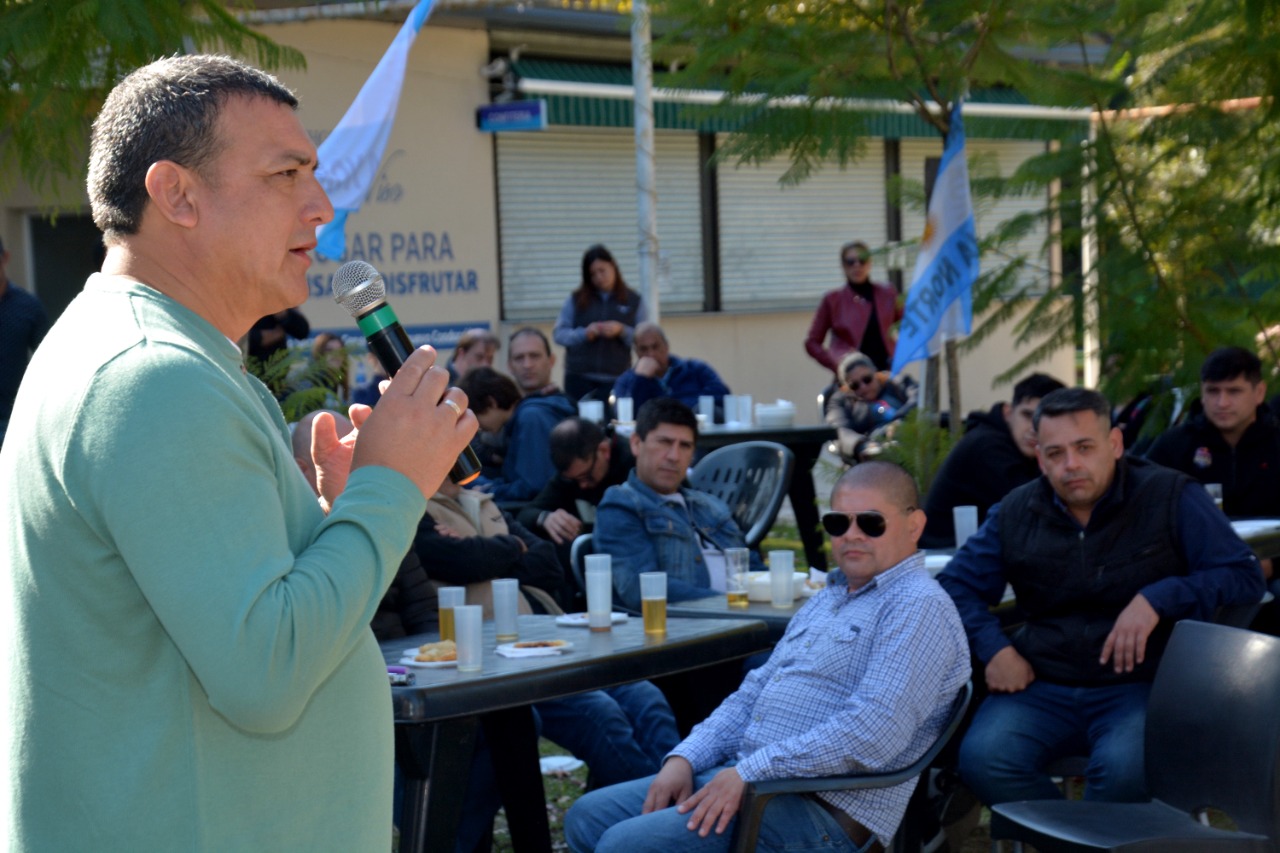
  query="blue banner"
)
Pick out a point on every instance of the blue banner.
point(350, 156)
point(940, 301)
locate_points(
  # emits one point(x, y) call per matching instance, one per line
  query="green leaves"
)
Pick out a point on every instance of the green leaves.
point(59, 58)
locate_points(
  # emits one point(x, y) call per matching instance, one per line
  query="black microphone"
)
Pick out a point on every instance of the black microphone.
point(358, 287)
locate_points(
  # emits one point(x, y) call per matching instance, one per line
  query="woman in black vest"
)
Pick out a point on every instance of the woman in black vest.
point(595, 327)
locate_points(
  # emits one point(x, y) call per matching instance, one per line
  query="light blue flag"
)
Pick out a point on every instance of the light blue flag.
point(940, 301)
point(350, 156)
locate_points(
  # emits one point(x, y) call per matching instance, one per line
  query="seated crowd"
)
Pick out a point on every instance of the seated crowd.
point(1103, 551)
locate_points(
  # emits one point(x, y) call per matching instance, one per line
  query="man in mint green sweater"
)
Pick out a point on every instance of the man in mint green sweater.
point(188, 658)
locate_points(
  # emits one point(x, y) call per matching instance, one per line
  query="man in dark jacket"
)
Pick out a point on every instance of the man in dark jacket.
point(588, 461)
point(526, 465)
point(1104, 554)
point(658, 373)
point(996, 455)
point(1232, 438)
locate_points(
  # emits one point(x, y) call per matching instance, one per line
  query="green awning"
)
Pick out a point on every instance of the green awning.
point(574, 100)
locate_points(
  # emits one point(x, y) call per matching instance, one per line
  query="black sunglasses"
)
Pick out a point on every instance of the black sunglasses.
point(871, 523)
point(848, 262)
point(855, 384)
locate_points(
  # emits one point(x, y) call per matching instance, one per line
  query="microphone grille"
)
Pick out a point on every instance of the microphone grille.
point(357, 286)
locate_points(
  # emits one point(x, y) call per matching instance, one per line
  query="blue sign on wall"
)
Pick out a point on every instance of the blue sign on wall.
point(512, 115)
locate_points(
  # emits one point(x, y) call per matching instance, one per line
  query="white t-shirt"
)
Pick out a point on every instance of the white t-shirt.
point(711, 555)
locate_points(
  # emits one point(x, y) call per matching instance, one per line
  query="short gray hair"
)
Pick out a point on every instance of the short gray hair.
point(167, 110)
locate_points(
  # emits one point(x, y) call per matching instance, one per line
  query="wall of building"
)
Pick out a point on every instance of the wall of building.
point(430, 224)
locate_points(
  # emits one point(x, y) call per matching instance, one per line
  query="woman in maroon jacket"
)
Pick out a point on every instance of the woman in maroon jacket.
point(858, 316)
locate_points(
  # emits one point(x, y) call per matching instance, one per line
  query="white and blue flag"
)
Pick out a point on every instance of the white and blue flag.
point(351, 155)
point(940, 301)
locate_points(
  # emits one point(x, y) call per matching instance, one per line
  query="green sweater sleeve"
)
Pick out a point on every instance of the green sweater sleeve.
point(261, 593)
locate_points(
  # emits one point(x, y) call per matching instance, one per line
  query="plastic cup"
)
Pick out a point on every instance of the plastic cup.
point(469, 619)
point(599, 574)
point(591, 410)
point(730, 409)
point(782, 580)
point(736, 562)
point(1215, 492)
point(653, 601)
point(744, 409)
point(707, 407)
point(966, 521)
point(506, 594)
point(450, 597)
point(623, 408)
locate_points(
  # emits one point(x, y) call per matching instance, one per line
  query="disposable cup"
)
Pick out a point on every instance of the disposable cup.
point(450, 596)
point(737, 561)
point(506, 595)
point(782, 584)
point(966, 521)
point(653, 601)
point(623, 408)
point(469, 619)
point(599, 574)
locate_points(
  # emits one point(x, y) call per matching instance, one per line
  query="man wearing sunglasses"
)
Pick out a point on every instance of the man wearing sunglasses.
point(861, 681)
point(1104, 554)
point(858, 316)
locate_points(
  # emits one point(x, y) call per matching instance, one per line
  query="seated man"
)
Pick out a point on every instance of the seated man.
point(865, 401)
point(588, 461)
point(658, 373)
point(526, 465)
point(621, 733)
point(1232, 437)
point(494, 404)
point(475, 348)
point(862, 681)
point(652, 523)
point(1104, 553)
point(996, 455)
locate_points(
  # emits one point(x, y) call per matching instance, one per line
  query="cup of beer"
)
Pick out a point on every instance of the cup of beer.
point(736, 563)
point(450, 597)
point(653, 601)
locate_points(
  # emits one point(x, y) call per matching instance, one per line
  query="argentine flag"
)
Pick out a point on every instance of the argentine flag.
point(940, 301)
point(350, 156)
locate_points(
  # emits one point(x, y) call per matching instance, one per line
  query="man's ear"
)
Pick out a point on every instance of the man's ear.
point(170, 188)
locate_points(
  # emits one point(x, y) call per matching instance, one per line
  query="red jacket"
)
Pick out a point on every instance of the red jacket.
point(844, 314)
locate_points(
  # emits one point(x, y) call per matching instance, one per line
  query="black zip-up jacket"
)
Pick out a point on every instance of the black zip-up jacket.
point(1249, 472)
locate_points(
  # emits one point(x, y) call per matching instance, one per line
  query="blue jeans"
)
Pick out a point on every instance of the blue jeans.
point(1015, 735)
point(609, 820)
point(622, 733)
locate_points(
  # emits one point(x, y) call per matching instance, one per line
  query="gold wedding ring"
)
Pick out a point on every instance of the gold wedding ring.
point(456, 408)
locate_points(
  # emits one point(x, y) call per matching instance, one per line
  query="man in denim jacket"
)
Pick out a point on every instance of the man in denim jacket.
point(653, 523)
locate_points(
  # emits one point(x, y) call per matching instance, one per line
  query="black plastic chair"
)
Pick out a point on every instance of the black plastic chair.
point(1212, 741)
point(752, 478)
point(758, 794)
point(582, 547)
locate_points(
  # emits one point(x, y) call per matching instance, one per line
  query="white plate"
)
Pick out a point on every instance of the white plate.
point(579, 620)
point(515, 650)
point(408, 660)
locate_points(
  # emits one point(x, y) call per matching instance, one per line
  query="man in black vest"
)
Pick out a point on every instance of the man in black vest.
point(1104, 554)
